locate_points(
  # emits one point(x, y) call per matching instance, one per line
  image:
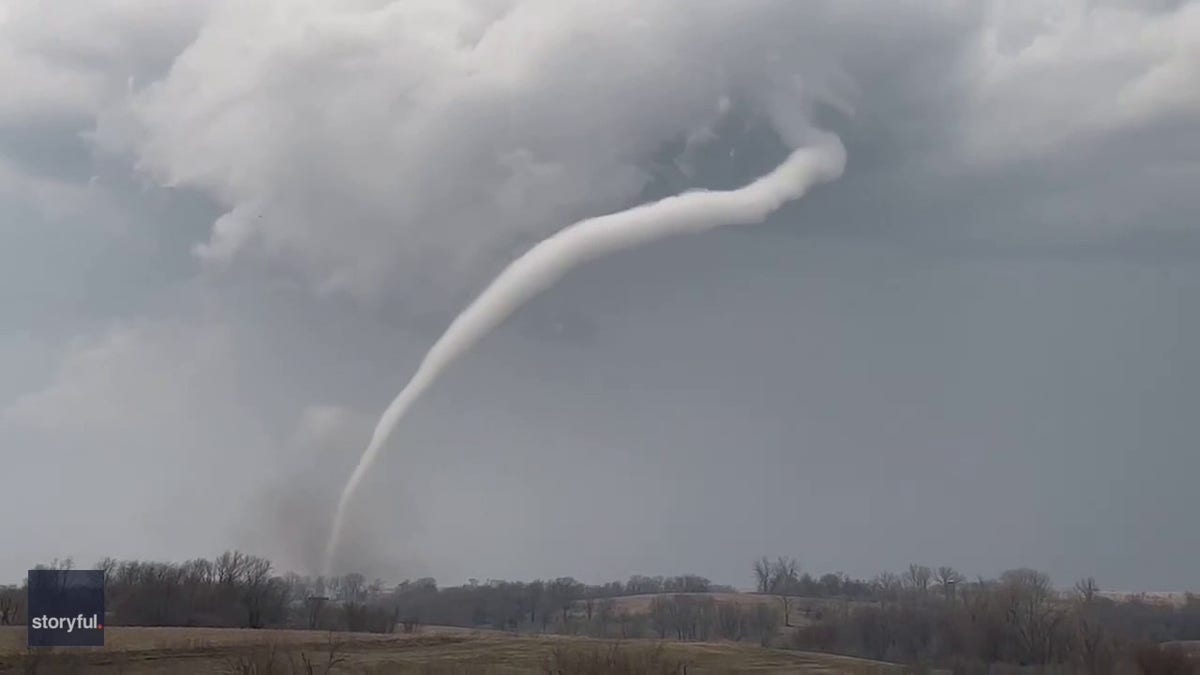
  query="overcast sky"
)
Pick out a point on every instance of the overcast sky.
point(229, 230)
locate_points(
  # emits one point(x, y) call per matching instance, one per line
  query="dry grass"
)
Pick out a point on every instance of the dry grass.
point(640, 604)
point(124, 639)
point(439, 651)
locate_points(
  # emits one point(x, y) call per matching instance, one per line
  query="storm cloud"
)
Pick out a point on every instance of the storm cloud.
point(231, 229)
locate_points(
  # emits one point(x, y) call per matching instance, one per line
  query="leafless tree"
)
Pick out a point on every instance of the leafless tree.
point(785, 572)
point(784, 578)
point(887, 585)
point(106, 565)
point(918, 578)
point(229, 568)
point(534, 599)
point(1090, 645)
point(256, 588)
point(1031, 614)
point(1087, 589)
point(352, 588)
point(565, 591)
point(57, 564)
point(948, 579)
point(375, 590)
point(11, 604)
point(830, 584)
point(762, 574)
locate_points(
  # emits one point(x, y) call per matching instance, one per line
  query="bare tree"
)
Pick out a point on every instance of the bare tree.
point(229, 568)
point(353, 588)
point(830, 584)
point(785, 572)
point(535, 592)
point(106, 565)
point(918, 578)
point(565, 591)
point(256, 588)
point(762, 574)
point(785, 605)
point(784, 578)
point(375, 590)
point(1087, 589)
point(1031, 613)
point(887, 585)
point(948, 579)
point(11, 604)
point(1090, 645)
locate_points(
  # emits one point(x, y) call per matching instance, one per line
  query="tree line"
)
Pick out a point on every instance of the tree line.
point(935, 617)
point(237, 589)
point(923, 616)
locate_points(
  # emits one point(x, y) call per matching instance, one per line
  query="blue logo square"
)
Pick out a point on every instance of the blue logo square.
point(66, 608)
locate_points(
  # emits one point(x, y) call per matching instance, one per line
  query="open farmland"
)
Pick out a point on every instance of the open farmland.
point(640, 604)
point(434, 650)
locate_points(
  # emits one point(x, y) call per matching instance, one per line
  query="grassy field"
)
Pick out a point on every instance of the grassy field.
point(434, 650)
point(640, 604)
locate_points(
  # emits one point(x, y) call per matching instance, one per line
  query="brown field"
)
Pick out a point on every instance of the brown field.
point(435, 650)
point(640, 604)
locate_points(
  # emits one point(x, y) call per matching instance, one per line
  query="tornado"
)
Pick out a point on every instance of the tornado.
point(549, 260)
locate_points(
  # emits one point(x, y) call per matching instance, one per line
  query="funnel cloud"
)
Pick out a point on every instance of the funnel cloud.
point(232, 229)
point(586, 240)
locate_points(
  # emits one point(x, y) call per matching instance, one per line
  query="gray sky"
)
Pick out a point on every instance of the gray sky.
point(229, 230)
